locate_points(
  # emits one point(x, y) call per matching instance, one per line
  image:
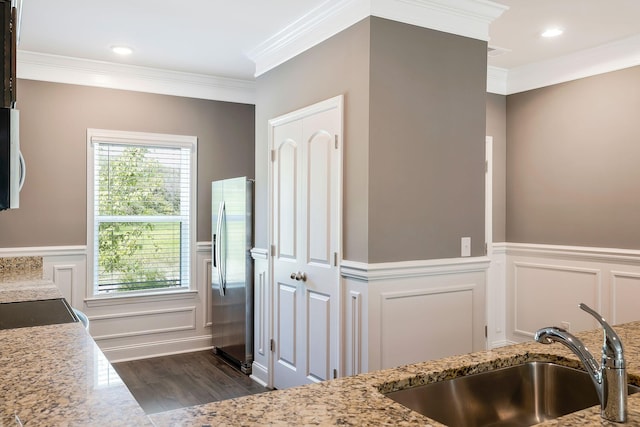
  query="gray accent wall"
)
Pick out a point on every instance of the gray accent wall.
point(414, 136)
point(339, 65)
point(53, 122)
point(427, 143)
point(573, 163)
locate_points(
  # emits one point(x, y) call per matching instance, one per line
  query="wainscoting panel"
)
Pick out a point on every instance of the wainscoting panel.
point(397, 313)
point(355, 330)
point(262, 317)
point(496, 297)
point(138, 327)
point(354, 326)
point(625, 297)
point(63, 277)
point(206, 273)
point(131, 324)
point(547, 295)
point(425, 325)
point(545, 283)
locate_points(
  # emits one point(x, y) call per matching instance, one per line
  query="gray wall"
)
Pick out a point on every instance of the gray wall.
point(337, 66)
point(497, 128)
point(54, 119)
point(414, 136)
point(573, 170)
point(427, 143)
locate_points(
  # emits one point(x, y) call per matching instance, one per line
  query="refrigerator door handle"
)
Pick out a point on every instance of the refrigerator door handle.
point(217, 258)
point(213, 240)
point(23, 171)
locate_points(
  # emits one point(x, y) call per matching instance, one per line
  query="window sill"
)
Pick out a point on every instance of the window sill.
point(140, 298)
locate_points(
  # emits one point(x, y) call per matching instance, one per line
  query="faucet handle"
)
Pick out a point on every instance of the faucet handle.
point(612, 344)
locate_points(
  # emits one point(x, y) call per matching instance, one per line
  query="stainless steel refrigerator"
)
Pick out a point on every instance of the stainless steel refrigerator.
point(232, 270)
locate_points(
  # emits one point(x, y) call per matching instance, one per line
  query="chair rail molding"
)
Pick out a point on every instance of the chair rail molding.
point(394, 270)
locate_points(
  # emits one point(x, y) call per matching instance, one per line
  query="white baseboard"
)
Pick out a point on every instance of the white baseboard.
point(260, 374)
point(502, 343)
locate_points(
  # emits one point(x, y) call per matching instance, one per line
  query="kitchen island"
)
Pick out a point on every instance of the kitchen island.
point(358, 400)
point(57, 376)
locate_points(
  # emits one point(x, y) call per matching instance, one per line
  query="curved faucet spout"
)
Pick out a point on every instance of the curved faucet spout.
point(610, 377)
point(552, 334)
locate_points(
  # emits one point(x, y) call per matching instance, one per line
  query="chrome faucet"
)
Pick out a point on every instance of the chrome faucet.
point(610, 377)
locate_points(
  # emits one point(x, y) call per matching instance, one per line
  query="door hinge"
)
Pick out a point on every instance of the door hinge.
point(335, 259)
point(273, 250)
point(486, 248)
point(336, 140)
point(273, 155)
point(272, 345)
point(335, 374)
point(486, 166)
point(486, 333)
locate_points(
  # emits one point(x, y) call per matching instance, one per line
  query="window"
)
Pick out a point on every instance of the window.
point(141, 198)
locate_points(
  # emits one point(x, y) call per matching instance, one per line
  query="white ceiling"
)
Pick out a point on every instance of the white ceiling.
point(586, 23)
point(213, 37)
point(210, 37)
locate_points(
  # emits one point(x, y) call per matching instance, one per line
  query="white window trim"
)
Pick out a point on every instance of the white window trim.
point(155, 139)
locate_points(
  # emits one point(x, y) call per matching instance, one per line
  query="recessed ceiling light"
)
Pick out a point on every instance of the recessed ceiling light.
point(552, 32)
point(122, 50)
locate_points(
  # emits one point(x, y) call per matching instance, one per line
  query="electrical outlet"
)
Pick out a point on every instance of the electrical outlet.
point(565, 325)
point(465, 246)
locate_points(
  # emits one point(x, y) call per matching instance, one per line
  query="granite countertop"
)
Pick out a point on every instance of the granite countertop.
point(56, 375)
point(358, 401)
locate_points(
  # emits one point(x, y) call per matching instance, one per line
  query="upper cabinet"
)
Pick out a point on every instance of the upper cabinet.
point(9, 12)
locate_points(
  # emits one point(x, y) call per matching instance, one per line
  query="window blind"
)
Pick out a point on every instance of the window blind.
point(141, 216)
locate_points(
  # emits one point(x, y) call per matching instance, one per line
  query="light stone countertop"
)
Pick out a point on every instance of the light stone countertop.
point(357, 400)
point(56, 375)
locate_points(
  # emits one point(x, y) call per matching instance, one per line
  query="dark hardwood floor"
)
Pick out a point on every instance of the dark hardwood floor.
point(177, 381)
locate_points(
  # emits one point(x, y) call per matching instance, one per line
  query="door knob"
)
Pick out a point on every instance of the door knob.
point(299, 276)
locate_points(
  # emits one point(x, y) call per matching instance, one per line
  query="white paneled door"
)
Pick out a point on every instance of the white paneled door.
point(306, 172)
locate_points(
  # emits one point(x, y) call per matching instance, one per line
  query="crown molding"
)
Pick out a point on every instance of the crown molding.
point(497, 80)
point(64, 69)
point(326, 20)
point(469, 18)
point(586, 63)
point(321, 23)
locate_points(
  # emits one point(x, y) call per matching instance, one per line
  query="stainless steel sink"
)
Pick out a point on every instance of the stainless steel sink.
point(520, 395)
